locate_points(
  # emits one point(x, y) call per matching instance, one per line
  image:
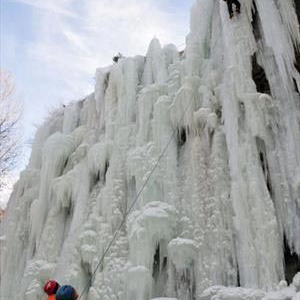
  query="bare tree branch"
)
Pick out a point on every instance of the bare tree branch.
point(9, 118)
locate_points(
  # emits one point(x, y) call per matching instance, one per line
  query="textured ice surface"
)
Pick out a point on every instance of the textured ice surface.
point(164, 299)
point(223, 198)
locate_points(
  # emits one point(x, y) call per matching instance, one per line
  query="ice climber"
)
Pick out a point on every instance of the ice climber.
point(50, 288)
point(66, 292)
point(117, 57)
point(230, 9)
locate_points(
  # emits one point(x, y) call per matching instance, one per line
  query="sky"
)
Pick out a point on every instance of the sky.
point(53, 47)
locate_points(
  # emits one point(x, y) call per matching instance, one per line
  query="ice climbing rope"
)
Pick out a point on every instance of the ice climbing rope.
point(130, 208)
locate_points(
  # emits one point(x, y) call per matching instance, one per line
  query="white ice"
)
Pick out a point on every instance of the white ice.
point(223, 198)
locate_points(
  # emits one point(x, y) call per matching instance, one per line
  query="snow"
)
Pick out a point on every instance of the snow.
point(164, 299)
point(219, 204)
point(296, 296)
point(283, 294)
point(229, 293)
point(296, 281)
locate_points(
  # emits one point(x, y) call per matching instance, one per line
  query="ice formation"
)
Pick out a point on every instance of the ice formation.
point(222, 207)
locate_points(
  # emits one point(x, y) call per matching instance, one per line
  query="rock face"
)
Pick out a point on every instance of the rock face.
point(197, 155)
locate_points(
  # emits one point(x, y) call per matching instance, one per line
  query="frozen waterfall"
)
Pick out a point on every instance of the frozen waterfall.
point(219, 218)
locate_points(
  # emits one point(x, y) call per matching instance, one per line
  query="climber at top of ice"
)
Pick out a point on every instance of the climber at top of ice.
point(117, 57)
point(66, 292)
point(50, 288)
point(230, 9)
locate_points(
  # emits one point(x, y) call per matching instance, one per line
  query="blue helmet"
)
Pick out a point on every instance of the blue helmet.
point(65, 292)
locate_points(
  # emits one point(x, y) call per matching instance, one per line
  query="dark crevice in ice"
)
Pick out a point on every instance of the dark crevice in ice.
point(99, 177)
point(188, 280)
point(291, 262)
point(259, 77)
point(69, 211)
point(68, 216)
point(297, 60)
point(159, 272)
point(265, 169)
point(105, 170)
point(261, 148)
point(258, 73)
point(297, 50)
point(181, 136)
point(296, 86)
point(297, 3)
point(238, 278)
point(106, 82)
point(156, 263)
point(255, 22)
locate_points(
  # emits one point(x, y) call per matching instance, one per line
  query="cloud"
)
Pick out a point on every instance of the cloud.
point(56, 7)
point(72, 38)
point(100, 29)
point(76, 41)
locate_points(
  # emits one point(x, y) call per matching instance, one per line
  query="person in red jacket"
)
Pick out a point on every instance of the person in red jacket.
point(50, 288)
point(230, 9)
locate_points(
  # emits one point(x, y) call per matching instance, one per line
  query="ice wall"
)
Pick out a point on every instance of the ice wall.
point(224, 198)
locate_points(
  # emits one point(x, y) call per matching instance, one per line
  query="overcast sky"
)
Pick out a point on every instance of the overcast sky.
point(52, 47)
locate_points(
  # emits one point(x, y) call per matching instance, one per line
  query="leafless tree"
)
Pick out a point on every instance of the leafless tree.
point(9, 119)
